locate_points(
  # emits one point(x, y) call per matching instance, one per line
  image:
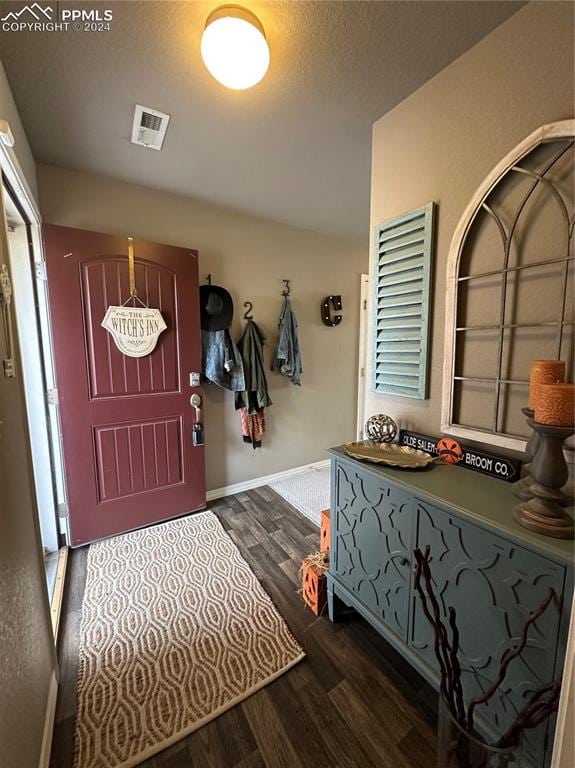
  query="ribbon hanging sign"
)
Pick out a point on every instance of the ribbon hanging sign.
point(135, 330)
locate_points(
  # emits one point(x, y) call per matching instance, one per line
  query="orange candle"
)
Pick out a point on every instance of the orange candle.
point(544, 372)
point(555, 404)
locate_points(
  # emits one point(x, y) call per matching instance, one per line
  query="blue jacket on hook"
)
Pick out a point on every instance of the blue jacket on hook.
point(287, 359)
point(221, 360)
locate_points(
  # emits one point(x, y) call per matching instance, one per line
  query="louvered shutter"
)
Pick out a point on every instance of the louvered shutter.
point(402, 280)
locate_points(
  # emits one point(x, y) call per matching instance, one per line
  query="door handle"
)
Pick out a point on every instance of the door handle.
point(196, 402)
point(197, 429)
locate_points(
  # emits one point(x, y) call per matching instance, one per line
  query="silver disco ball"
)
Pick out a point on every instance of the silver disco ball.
point(380, 428)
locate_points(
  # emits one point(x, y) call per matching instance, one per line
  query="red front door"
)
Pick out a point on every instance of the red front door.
point(126, 421)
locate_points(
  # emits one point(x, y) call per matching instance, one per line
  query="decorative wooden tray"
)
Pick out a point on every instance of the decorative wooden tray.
point(389, 453)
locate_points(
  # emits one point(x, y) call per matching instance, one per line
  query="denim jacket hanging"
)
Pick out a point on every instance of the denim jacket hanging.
point(287, 359)
point(221, 360)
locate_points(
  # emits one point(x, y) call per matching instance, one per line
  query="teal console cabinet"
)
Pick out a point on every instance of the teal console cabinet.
point(492, 571)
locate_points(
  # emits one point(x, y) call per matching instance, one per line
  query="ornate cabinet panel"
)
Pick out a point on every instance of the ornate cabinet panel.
point(370, 544)
point(493, 584)
point(492, 579)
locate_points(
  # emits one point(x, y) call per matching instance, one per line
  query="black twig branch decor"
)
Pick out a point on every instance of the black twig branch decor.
point(506, 659)
point(541, 704)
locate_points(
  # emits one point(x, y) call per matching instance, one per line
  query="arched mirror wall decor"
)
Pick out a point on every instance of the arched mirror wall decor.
point(510, 288)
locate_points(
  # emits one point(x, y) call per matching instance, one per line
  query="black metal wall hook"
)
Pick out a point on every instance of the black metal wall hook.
point(250, 307)
point(286, 290)
point(209, 279)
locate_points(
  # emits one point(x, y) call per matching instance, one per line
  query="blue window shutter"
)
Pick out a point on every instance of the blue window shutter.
point(401, 301)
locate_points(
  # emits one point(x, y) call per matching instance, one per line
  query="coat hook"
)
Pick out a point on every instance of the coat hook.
point(209, 279)
point(250, 307)
point(286, 290)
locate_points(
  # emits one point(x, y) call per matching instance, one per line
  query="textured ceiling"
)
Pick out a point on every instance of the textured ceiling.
point(296, 148)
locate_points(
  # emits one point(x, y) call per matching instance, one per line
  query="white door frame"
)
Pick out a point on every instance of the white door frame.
point(35, 350)
point(362, 358)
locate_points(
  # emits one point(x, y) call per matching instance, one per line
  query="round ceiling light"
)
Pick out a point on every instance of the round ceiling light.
point(234, 47)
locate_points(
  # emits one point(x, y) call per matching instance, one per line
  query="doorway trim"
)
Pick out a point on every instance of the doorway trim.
point(362, 355)
point(36, 351)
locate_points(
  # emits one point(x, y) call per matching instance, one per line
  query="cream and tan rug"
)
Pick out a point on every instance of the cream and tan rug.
point(175, 630)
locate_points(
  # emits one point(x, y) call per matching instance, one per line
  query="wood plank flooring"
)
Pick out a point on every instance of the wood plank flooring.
point(352, 703)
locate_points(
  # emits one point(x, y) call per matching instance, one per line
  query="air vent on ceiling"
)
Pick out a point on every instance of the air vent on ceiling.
point(149, 128)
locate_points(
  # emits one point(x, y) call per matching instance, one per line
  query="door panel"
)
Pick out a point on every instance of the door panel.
point(132, 457)
point(126, 422)
point(105, 282)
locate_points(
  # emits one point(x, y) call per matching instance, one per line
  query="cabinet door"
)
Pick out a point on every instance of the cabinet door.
point(370, 540)
point(493, 585)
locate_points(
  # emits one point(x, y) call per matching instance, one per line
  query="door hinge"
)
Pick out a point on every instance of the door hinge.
point(63, 510)
point(365, 303)
point(52, 396)
point(362, 373)
point(40, 270)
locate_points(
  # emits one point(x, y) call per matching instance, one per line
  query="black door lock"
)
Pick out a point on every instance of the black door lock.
point(198, 433)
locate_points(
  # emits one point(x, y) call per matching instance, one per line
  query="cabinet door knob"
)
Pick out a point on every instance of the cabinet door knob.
point(404, 561)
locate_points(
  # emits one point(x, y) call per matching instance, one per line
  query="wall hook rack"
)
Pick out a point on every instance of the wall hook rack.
point(250, 306)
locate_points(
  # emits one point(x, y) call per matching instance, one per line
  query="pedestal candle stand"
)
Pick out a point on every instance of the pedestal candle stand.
point(544, 512)
point(521, 487)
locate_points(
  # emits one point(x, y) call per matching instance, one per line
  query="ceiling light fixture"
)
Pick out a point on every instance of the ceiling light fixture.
point(234, 47)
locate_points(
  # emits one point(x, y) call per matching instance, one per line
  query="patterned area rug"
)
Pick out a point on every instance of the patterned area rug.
point(175, 630)
point(307, 491)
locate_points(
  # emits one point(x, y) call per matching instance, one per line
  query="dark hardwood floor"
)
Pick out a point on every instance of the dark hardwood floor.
point(352, 703)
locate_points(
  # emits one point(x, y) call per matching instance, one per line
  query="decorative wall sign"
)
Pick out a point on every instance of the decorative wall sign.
point(327, 303)
point(452, 452)
point(135, 330)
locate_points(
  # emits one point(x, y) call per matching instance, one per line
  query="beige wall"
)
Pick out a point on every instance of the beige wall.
point(27, 657)
point(26, 643)
point(446, 137)
point(250, 257)
point(21, 151)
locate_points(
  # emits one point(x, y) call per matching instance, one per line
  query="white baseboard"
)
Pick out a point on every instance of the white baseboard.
point(257, 482)
point(44, 761)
